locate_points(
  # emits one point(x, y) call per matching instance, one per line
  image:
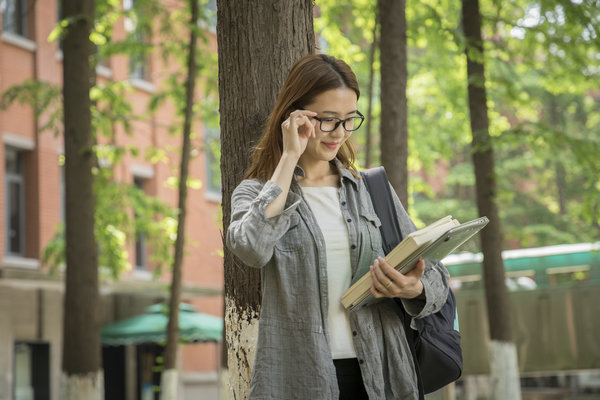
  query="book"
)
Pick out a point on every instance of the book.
point(432, 243)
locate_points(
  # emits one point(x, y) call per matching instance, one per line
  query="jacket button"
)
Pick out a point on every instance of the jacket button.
point(353, 246)
point(354, 333)
point(343, 203)
point(349, 220)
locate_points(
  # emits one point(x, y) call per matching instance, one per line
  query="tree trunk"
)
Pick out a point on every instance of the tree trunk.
point(369, 135)
point(557, 123)
point(258, 43)
point(393, 121)
point(82, 376)
point(169, 378)
point(503, 356)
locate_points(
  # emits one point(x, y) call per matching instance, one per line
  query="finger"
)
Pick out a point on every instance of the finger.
point(304, 125)
point(418, 270)
point(293, 122)
point(380, 280)
point(310, 127)
point(376, 293)
point(303, 112)
point(310, 124)
point(374, 284)
point(388, 270)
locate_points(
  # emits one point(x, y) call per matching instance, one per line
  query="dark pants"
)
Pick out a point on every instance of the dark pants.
point(350, 379)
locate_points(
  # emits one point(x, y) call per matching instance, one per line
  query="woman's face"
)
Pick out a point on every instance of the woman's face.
point(336, 103)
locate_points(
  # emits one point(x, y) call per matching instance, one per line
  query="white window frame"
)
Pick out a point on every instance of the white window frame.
point(13, 260)
point(6, 27)
point(12, 178)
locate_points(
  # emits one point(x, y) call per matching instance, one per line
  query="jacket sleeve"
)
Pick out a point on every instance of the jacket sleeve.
point(251, 236)
point(435, 279)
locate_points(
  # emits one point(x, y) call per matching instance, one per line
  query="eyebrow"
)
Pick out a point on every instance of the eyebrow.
point(337, 113)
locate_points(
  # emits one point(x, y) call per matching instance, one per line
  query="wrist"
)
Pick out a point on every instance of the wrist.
point(421, 295)
point(289, 158)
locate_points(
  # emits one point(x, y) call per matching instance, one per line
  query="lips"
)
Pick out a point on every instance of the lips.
point(332, 145)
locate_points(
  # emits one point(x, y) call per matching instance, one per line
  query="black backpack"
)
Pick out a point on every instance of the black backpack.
point(435, 346)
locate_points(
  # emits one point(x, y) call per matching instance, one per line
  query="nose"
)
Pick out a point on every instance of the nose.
point(339, 131)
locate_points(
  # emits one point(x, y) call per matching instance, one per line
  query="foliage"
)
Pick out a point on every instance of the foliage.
point(542, 63)
point(123, 211)
point(45, 99)
point(346, 32)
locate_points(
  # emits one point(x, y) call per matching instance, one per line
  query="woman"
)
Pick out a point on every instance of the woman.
point(304, 216)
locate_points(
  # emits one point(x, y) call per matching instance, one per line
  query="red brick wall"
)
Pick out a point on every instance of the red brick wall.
point(202, 264)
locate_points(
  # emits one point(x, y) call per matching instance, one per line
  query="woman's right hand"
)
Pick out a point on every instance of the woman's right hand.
point(296, 130)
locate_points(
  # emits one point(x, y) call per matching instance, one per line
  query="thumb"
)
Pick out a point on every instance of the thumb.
point(418, 270)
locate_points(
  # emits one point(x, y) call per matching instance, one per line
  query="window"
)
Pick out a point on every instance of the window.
point(139, 61)
point(141, 262)
point(14, 17)
point(212, 146)
point(31, 371)
point(15, 202)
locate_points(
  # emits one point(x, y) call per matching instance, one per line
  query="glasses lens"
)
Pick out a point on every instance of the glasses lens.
point(352, 124)
point(328, 124)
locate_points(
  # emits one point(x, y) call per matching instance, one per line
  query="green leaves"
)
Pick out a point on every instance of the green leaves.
point(45, 99)
point(123, 211)
point(542, 64)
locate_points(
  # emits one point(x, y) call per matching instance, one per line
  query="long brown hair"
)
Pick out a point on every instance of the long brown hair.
point(310, 76)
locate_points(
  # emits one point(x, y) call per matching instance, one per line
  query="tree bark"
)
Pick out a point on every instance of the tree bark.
point(369, 135)
point(258, 43)
point(503, 360)
point(393, 121)
point(82, 376)
point(557, 123)
point(169, 378)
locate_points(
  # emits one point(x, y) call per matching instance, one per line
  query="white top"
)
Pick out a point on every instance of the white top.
point(325, 204)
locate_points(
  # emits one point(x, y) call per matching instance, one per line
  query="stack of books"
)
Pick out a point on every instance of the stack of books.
point(432, 243)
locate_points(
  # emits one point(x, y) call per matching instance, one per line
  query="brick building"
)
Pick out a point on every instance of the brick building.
point(31, 207)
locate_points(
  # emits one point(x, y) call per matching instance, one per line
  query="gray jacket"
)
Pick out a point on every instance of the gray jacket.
point(293, 359)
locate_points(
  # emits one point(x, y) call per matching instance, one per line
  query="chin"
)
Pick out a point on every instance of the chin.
point(329, 156)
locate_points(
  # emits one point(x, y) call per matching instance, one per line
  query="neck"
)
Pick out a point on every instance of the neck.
point(321, 173)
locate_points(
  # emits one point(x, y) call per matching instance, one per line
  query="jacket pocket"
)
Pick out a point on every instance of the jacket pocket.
point(291, 241)
point(372, 233)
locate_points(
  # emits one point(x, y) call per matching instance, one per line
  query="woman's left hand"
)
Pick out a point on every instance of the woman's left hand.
point(387, 282)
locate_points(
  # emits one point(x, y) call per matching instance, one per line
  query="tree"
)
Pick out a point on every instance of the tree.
point(393, 125)
point(503, 353)
point(348, 30)
point(169, 381)
point(82, 365)
point(368, 133)
point(251, 73)
point(114, 200)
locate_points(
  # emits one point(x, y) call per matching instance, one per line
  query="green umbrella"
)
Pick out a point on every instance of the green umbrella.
point(151, 327)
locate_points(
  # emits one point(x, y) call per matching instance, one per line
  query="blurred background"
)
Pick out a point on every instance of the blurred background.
point(542, 70)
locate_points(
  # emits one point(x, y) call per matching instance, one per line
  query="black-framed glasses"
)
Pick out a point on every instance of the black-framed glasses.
point(330, 124)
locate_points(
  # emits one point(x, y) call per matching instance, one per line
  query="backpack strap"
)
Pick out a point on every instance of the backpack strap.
point(377, 182)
